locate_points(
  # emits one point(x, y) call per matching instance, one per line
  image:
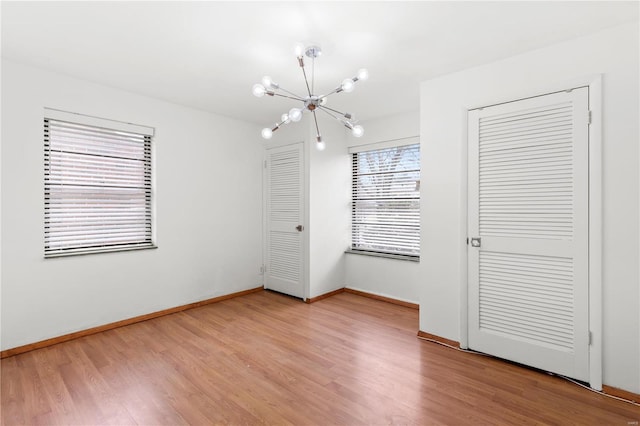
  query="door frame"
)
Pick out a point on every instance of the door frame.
point(594, 83)
point(305, 215)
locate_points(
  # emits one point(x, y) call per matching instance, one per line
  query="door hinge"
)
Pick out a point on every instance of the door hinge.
point(589, 117)
point(263, 269)
point(265, 164)
point(590, 338)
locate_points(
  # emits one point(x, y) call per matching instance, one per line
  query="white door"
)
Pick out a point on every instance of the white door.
point(284, 213)
point(528, 232)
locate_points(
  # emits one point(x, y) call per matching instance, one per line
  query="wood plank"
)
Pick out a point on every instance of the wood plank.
point(268, 358)
point(111, 326)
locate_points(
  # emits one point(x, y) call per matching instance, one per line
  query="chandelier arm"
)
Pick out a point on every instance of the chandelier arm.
point(316, 121)
point(313, 73)
point(342, 121)
point(306, 81)
point(291, 93)
point(289, 97)
point(321, 108)
point(336, 90)
point(344, 114)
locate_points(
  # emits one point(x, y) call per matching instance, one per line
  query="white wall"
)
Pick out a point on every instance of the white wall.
point(208, 194)
point(614, 54)
point(398, 279)
point(328, 190)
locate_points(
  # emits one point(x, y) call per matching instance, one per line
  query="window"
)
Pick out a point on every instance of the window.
point(385, 208)
point(97, 187)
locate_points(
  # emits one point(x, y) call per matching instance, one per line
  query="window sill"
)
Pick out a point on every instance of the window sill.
point(98, 251)
point(385, 255)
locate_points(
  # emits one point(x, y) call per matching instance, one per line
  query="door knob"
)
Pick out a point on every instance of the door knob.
point(476, 242)
point(299, 228)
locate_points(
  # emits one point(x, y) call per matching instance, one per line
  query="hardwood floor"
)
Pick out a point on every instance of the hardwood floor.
point(268, 358)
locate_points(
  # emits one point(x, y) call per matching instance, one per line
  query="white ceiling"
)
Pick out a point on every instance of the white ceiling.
point(207, 55)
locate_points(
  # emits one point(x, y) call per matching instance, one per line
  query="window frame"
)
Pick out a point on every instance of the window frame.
point(392, 251)
point(89, 178)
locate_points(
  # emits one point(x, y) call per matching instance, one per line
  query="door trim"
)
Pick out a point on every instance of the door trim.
point(594, 83)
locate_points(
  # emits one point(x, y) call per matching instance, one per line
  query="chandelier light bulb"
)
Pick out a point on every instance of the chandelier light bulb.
point(320, 145)
point(285, 118)
point(259, 90)
point(295, 114)
point(347, 85)
point(363, 74)
point(299, 50)
point(267, 133)
point(267, 82)
point(357, 131)
point(323, 101)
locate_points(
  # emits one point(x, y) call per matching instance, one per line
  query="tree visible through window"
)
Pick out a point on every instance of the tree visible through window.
point(386, 201)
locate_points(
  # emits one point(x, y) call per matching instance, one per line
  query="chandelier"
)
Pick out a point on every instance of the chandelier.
point(311, 102)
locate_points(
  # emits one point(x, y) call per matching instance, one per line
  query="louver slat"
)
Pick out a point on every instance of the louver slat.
point(285, 187)
point(518, 306)
point(512, 164)
point(285, 249)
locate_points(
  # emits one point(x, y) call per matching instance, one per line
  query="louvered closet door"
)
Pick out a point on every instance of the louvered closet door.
point(528, 204)
point(284, 214)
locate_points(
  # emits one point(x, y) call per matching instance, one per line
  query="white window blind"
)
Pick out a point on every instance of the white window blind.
point(97, 189)
point(386, 201)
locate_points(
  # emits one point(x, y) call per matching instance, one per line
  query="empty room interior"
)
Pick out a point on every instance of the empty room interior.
point(421, 212)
